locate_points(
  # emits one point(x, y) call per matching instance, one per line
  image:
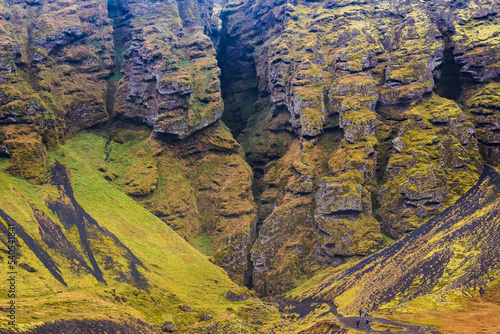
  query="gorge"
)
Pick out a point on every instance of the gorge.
point(274, 143)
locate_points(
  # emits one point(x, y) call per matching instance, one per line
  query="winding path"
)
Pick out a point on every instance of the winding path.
point(304, 307)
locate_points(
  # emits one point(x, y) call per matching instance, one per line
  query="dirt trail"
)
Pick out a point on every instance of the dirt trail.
point(304, 307)
point(350, 322)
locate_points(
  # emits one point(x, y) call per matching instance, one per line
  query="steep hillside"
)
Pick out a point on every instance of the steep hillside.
point(278, 138)
point(87, 251)
point(359, 119)
point(71, 65)
point(443, 267)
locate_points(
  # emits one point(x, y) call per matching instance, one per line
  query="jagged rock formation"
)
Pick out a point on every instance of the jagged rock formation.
point(200, 187)
point(358, 118)
point(360, 75)
point(436, 159)
point(452, 253)
point(54, 60)
point(170, 72)
point(484, 104)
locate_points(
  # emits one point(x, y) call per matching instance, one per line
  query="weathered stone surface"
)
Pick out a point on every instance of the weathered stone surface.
point(168, 327)
point(201, 188)
point(52, 76)
point(484, 104)
point(170, 74)
point(336, 197)
point(436, 157)
point(333, 103)
point(357, 72)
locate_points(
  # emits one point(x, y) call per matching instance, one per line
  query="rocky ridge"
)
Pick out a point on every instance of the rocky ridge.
point(364, 76)
point(54, 61)
point(170, 72)
point(358, 119)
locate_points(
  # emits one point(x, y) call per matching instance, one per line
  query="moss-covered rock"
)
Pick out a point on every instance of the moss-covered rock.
point(52, 82)
point(435, 160)
point(367, 70)
point(484, 104)
point(200, 187)
point(170, 77)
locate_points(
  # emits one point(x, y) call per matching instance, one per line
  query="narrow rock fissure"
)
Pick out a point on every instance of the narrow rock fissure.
point(28, 67)
point(449, 84)
point(118, 13)
point(238, 83)
point(257, 190)
point(120, 18)
point(240, 93)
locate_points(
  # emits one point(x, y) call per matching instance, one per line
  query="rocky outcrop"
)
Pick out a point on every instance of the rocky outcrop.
point(440, 259)
point(168, 327)
point(171, 78)
point(234, 297)
point(335, 104)
point(360, 76)
point(55, 74)
point(436, 157)
point(52, 77)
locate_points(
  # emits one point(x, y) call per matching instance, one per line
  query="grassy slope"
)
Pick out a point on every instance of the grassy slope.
point(176, 272)
point(455, 313)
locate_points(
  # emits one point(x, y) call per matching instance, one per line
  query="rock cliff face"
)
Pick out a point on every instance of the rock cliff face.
point(67, 66)
point(441, 256)
point(355, 118)
point(403, 93)
point(55, 57)
point(171, 78)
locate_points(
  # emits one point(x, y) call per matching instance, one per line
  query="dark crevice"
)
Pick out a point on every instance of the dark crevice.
point(119, 14)
point(238, 82)
point(239, 90)
point(120, 17)
point(449, 83)
point(30, 67)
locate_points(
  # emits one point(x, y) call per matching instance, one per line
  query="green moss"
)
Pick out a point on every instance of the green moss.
point(169, 260)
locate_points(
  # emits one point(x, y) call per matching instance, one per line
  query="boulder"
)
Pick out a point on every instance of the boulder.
point(168, 327)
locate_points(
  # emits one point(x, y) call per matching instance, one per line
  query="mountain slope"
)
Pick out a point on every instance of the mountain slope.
point(448, 263)
point(88, 251)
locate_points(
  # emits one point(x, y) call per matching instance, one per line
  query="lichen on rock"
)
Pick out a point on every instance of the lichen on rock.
point(435, 160)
